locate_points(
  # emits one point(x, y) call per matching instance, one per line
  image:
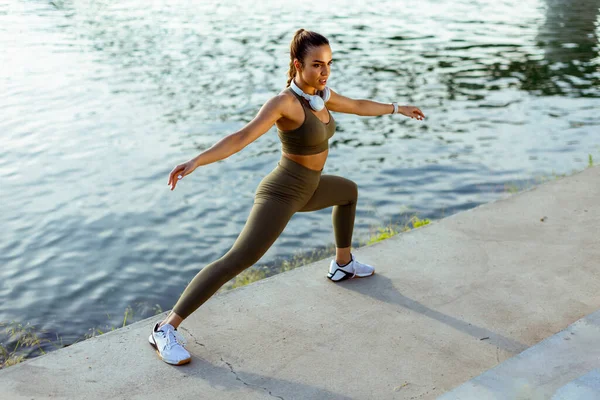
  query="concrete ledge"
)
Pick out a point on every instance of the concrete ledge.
point(563, 366)
point(448, 301)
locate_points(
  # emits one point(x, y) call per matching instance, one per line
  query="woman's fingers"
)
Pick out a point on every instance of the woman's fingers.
point(175, 180)
point(179, 172)
point(418, 113)
point(414, 112)
point(174, 173)
point(171, 175)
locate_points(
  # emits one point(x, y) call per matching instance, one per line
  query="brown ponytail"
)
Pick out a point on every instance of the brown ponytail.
point(302, 41)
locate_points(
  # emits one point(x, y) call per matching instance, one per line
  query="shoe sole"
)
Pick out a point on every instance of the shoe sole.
point(347, 278)
point(182, 362)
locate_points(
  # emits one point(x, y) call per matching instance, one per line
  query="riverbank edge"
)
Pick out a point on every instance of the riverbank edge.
point(253, 275)
point(458, 321)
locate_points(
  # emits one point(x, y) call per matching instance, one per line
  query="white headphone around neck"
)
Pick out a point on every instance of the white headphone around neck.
point(317, 102)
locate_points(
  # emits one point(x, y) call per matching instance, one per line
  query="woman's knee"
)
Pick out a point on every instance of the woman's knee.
point(352, 191)
point(222, 270)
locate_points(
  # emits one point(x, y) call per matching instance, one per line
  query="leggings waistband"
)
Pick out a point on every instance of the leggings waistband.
point(297, 169)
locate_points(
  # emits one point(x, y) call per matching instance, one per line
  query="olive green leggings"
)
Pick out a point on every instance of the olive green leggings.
point(287, 189)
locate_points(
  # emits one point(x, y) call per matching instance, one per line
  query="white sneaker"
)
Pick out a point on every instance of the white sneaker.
point(353, 269)
point(169, 343)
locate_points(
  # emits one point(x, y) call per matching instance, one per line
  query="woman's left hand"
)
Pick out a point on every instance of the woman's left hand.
point(411, 112)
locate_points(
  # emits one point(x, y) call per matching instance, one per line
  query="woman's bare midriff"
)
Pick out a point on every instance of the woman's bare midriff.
point(313, 161)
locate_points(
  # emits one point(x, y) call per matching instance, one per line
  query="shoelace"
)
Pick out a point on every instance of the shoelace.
point(180, 338)
point(169, 335)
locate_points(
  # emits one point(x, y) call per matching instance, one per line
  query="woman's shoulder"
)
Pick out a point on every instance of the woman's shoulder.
point(285, 99)
point(286, 93)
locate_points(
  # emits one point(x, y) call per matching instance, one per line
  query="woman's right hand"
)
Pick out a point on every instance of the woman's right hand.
point(179, 172)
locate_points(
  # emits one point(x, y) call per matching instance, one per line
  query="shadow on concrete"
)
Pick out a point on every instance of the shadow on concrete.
point(219, 377)
point(381, 288)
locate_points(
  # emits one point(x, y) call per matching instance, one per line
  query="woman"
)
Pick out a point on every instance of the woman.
point(304, 126)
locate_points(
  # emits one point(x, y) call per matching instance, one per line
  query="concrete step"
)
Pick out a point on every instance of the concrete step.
point(563, 366)
point(586, 387)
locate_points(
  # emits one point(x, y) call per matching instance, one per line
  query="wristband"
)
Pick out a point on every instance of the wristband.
point(395, 108)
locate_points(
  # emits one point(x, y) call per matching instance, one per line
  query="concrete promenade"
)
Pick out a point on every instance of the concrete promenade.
point(449, 301)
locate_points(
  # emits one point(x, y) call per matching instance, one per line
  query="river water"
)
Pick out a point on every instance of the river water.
point(100, 100)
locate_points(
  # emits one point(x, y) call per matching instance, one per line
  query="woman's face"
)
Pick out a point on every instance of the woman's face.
point(317, 66)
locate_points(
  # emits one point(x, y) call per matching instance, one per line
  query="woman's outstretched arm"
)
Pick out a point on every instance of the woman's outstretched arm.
point(344, 104)
point(269, 113)
point(266, 117)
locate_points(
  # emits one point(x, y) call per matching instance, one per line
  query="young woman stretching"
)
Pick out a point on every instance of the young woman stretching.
point(296, 184)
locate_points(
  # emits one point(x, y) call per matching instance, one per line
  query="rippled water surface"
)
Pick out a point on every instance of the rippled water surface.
point(100, 100)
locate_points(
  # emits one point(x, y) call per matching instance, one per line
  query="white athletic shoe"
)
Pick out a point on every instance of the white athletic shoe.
point(353, 269)
point(169, 344)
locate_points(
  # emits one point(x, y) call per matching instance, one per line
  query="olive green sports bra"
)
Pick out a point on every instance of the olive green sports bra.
point(311, 137)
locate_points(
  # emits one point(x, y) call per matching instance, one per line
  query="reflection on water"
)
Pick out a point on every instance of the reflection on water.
point(569, 40)
point(101, 99)
point(567, 65)
point(570, 31)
